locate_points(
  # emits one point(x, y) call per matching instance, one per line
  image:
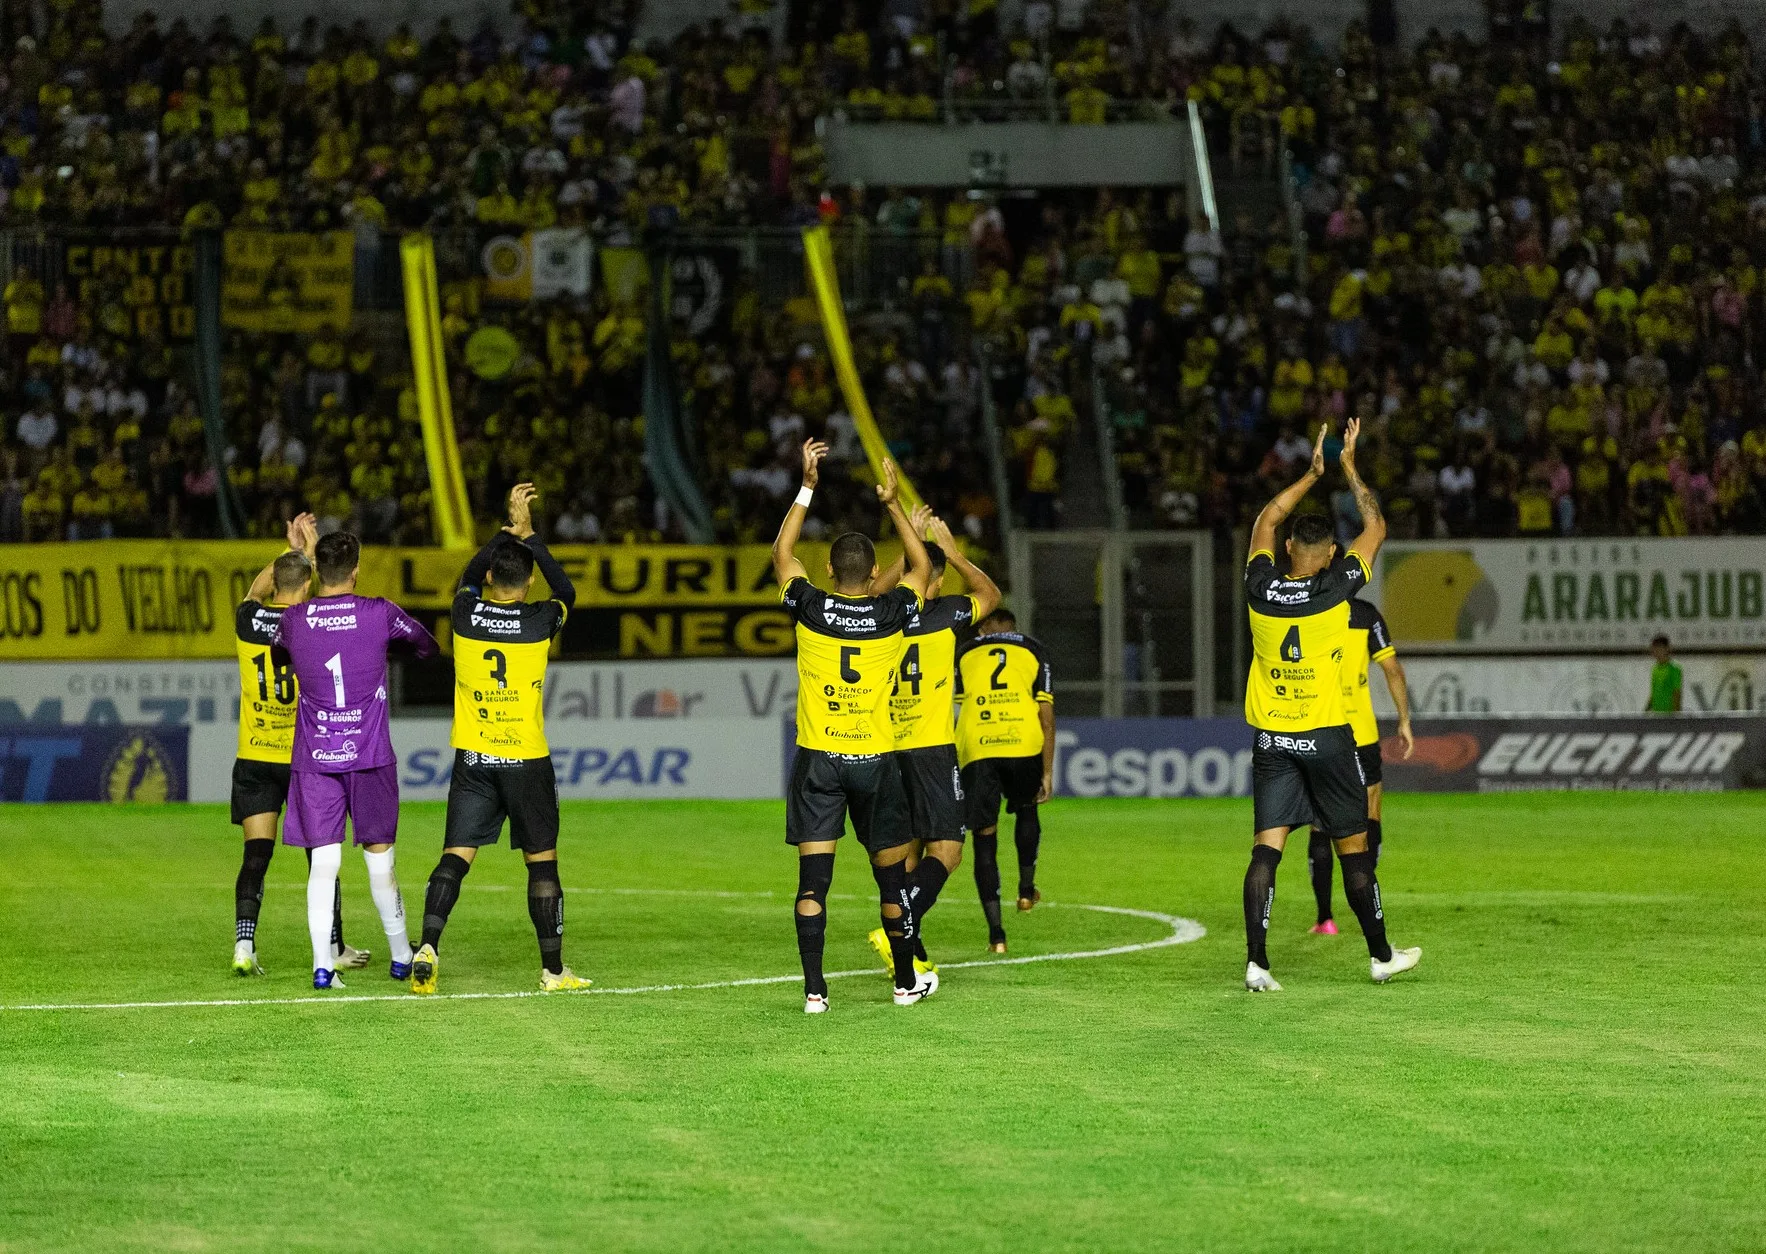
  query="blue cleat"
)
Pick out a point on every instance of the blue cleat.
point(326, 979)
point(400, 970)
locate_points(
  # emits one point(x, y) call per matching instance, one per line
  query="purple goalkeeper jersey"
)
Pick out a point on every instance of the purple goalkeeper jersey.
point(338, 646)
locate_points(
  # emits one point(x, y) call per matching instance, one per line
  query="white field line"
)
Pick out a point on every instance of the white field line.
point(1183, 931)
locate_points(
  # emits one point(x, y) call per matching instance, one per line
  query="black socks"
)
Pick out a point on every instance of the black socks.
point(987, 883)
point(1373, 839)
point(892, 890)
point(545, 906)
point(1027, 835)
point(924, 884)
point(1363, 892)
point(1259, 897)
point(815, 875)
point(248, 889)
point(443, 892)
point(1318, 861)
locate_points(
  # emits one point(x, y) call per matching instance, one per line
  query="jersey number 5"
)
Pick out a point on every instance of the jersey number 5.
point(1291, 645)
point(499, 666)
point(848, 654)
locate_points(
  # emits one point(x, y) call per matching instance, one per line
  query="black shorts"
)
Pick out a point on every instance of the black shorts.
point(1370, 762)
point(1306, 777)
point(986, 780)
point(934, 790)
point(826, 787)
point(258, 788)
point(485, 790)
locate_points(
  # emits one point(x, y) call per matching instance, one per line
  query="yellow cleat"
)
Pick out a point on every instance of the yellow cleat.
point(564, 982)
point(924, 966)
point(880, 942)
point(424, 967)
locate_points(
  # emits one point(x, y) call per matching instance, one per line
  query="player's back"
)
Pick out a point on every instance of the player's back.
point(500, 653)
point(1369, 640)
point(1299, 640)
point(267, 686)
point(847, 652)
point(1001, 678)
point(921, 701)
point(337, 645)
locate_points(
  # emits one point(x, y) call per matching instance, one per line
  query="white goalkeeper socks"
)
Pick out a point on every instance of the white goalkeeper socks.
point(321, 896)
point(384, 886)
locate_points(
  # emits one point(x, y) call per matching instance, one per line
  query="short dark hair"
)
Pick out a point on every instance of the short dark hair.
point(336, 556)
point(936, 553)
point(511, 564)
point(853, 557)
point(1661, 640)
point(292, 571)
point(1312, 530)
point(1001, 619)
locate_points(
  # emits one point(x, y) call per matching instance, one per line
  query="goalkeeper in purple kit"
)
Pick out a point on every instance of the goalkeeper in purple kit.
point(343, 766)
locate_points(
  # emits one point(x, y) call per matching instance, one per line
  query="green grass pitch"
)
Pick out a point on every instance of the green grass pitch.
point(1580, 1063)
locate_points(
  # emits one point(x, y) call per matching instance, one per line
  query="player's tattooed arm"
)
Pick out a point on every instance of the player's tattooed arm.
point(786, 567)
point(918, 574)
point(982, 588)
point(1373, 523)
point(891, 576)
point(1288, 499)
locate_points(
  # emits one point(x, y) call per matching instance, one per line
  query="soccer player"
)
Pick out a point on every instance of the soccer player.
point(1304, 768)
point(849, 643)
point(920, 710)
point(266, 740)
point(502, 765)
point(343, 766)
point(1664, 679)
point(1369, 641)
point(1006, 743)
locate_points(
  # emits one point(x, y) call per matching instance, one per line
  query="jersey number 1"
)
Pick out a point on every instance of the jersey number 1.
point(1291, 645)
point(334, 664)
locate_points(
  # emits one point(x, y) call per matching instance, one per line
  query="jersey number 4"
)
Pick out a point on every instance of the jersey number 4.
point(1291, 645)
point(910, 670)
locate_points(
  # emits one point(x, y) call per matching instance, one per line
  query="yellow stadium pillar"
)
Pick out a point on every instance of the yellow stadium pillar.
point(451, 509)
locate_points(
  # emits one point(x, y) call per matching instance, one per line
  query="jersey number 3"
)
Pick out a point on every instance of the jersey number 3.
point(499, 666)
point(1291, 645)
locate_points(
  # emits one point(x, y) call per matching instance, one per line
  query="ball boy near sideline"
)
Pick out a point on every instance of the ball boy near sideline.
point(267, 693)
point(343, 768)
point(921, 708)
point(1304, 768)
point(502, 764)
point(1006, 744)
point(1370, 642)
point(849, 643)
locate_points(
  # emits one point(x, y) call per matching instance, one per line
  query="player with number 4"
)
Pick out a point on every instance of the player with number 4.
point(343, 765)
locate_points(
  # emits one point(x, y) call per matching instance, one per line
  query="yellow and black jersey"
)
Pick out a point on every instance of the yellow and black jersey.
point(1370, 640)
point(500, 651)
point(921, 704)
point(267, 687)
point(1000, 680)
point(848, 649)
point(1300, 642)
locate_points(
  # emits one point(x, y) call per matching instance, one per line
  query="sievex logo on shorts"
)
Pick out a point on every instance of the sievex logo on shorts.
point(1524, 754)
point(1293, 744)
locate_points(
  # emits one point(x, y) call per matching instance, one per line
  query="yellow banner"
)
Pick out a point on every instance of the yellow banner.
point(818, 255)
point(157, 599)
point(450, 510)
point(287, 281)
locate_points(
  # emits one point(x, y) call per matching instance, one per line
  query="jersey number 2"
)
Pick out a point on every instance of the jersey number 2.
point(1291, 645)
point(996, 682)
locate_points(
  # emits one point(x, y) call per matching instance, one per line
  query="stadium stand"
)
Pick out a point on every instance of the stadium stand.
point(1543, 296)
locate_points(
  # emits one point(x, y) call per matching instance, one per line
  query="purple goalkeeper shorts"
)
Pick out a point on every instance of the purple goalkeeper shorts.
point(319, 802)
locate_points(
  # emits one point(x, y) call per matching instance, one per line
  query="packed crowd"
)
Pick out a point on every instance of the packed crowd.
point(1537, 280)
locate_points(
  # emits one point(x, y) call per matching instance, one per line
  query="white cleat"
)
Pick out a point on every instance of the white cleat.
point(349, 958)
point(245, 959)
point(815, 1003)
point(1402, 960)
point(1257, 980)
point(927, 986)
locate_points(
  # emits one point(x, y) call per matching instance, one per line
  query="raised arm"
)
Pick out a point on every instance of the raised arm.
point(786, 567)
point(563, 590)
point(1288, 499)
point(891, 575)
point(303, 536)
point(976, 580)
point(918, 574)
point(1373, 523)
point(1400, 690)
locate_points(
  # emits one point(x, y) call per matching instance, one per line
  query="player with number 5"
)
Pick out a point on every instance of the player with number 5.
point(343, 766)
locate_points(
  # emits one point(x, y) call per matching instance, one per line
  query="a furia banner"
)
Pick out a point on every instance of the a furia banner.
point(175, 599)
point(1546, 596)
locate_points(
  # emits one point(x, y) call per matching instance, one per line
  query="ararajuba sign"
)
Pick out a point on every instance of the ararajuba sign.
point(1543, 596)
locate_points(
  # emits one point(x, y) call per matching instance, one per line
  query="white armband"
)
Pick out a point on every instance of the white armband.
point(804, 495)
